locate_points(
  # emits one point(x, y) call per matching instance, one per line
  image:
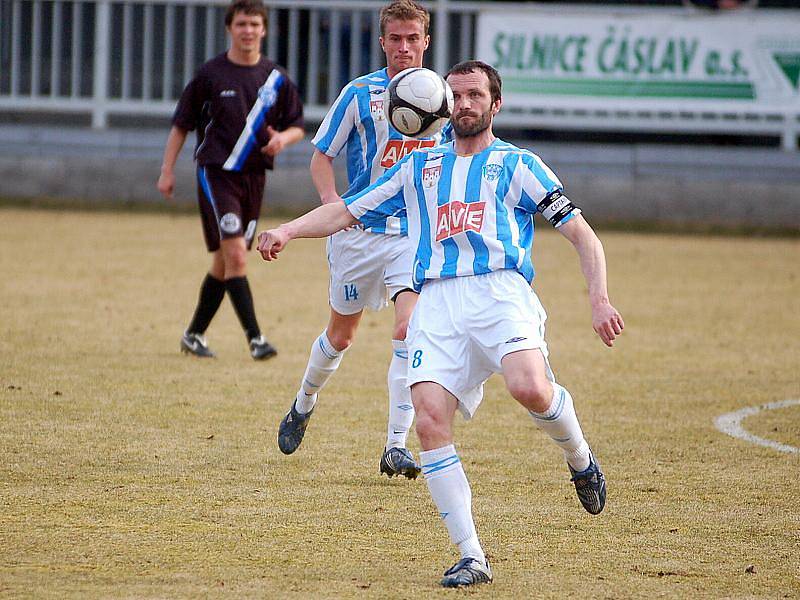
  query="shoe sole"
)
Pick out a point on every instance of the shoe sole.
point(407, 473)
point(191, 352)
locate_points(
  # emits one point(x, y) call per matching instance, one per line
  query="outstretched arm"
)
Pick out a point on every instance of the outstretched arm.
point(320, 222)
point(606, 321)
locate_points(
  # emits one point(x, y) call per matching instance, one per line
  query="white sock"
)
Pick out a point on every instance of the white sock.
point(322, 363)
point(561, 423)
point(452, 495)
point(401, 411)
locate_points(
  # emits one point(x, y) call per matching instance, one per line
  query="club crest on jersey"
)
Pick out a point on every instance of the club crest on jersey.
point(267, 94)
point(430, 175)
point(376, 108)
point(396, 149)
point(457, 217)
point(492, 171)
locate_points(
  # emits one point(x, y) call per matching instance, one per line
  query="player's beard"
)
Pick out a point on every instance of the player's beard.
point(476, 128)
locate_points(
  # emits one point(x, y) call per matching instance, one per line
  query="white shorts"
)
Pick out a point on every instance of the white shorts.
point(462, 328)
point(367, 269)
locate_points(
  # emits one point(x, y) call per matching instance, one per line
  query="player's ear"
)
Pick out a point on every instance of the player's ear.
point(496, 106)
point(380, 39)
point(427, 42)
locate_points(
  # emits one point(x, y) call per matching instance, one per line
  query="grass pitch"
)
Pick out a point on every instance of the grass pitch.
point(129, 470)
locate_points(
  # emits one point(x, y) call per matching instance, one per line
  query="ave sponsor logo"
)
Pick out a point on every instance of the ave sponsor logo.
point(457, 217)
point(227, 94)
point(396, 149)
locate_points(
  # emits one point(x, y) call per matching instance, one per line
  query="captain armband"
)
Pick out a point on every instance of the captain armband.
point(557, 208)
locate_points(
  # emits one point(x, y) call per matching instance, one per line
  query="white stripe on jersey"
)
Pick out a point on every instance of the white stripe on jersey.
point(467, 214)
point(267, 95)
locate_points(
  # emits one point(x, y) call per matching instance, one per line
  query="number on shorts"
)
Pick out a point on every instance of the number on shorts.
point(350, 292)
point(417, 359)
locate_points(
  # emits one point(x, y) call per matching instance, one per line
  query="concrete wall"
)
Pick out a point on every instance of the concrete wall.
point(643, 184)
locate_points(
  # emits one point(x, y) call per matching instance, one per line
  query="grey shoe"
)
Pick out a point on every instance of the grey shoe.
point(194, 343)
point(292, 429)
point(467, 571)
point(399, 461)
point(590, 485)
point(261, 349)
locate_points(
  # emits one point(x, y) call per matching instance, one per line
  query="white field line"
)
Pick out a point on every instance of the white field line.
point(731, 423)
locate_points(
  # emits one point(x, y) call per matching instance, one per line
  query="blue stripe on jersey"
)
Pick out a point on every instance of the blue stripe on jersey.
point(502, 222)
point(422, 261)
point(355, 164)
point(443, 195)
point(375, 219)
point(480, 264)
point(338, 115)
point(201, 176)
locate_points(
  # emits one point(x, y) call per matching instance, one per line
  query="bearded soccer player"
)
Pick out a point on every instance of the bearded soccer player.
point(367, 264)
point(470, 209)
point(246, 111)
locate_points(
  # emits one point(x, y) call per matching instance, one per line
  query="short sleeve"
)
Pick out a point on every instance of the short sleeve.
point(382, 199)
point(335, 129)
point(189, 111)
point(291, 106)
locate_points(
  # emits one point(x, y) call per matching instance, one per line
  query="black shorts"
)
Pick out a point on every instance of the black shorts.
point(229, 203)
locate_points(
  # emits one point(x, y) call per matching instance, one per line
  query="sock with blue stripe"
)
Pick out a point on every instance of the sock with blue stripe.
point(322, 363)
point(401, 411)
point(452, 495)
point(561, 423)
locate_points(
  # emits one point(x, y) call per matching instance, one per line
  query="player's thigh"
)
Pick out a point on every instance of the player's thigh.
point(356, 273)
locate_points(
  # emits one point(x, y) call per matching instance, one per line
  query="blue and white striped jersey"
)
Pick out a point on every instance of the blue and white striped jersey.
point(356, 120)
point(468, 215)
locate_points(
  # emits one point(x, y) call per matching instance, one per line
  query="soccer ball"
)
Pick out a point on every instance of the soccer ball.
point(420, 102)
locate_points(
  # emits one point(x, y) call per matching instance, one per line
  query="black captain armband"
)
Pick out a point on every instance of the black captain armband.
point(556, 207)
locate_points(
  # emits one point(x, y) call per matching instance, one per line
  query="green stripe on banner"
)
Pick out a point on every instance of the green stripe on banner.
point(642, 89)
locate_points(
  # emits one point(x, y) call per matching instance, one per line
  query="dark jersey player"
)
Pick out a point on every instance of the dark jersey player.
point(246, 111)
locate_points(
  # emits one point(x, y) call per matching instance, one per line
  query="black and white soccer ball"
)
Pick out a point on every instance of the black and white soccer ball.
point(420, 102)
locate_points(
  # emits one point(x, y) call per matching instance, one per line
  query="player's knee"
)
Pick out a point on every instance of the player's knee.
point(235, 261)
point(533, 394)
point(341, 338)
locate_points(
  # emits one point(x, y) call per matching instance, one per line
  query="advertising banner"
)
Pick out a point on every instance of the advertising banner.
point(746, 59)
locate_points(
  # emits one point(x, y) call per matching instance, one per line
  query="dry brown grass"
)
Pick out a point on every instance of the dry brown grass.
point(129, 470)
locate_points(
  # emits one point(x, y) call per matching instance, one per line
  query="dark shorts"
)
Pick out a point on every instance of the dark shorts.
point(230, 203)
